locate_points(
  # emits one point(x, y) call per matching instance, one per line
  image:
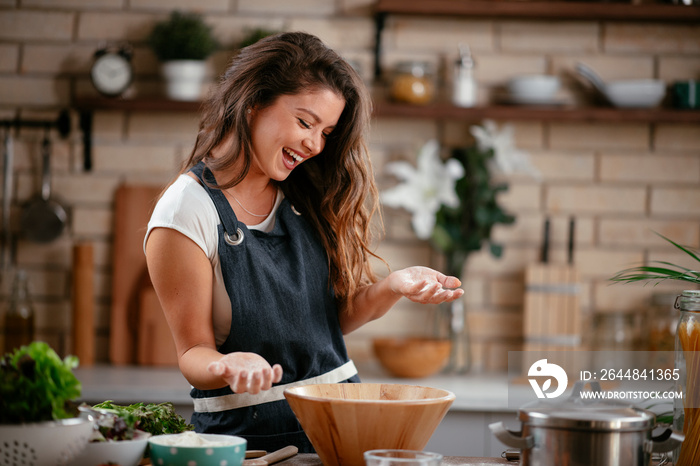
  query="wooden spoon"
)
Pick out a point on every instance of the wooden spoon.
point(273, 457)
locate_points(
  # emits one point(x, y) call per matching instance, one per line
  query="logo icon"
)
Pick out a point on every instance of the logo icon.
point(542, 368)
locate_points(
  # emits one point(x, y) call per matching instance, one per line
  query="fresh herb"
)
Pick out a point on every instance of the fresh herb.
point(156, 419)
point(110, 424)
point(37, 385)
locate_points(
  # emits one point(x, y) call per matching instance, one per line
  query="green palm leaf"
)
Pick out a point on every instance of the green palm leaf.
point(658, 274)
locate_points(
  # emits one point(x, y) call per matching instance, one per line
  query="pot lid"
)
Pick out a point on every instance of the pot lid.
point(584, 414)
point(598, 417)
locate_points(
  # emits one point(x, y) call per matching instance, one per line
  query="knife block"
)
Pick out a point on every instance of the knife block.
point(552, 318)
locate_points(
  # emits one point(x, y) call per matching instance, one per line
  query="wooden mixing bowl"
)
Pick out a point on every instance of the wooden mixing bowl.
point(412, 357)
point(344, 420)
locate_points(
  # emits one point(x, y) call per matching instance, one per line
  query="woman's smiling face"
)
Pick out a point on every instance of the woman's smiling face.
point(292, 130)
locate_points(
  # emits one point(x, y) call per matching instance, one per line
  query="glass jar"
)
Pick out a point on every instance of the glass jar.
point(662, 320)
point(686, 411)
point(413, 82)
point(614, 337)
point(463, 84)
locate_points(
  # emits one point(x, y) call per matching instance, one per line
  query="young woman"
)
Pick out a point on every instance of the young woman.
point(259, 250)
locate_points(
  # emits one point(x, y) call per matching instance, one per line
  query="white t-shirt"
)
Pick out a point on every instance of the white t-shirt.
point(187, 208)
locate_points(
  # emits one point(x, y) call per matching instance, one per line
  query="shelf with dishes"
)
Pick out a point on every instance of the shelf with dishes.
point(438, 110)
point(546, 111)
point(530, 10)
point(558, 10)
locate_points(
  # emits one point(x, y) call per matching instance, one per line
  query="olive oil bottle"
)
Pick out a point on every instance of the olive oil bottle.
point(19, 315)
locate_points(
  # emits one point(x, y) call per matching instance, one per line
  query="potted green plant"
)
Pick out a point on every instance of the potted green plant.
point(182, 43)
point(685, 415)
point(254, 35)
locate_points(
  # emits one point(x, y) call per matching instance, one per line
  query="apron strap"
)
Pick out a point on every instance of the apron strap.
point(216, 404)
point(233, 234)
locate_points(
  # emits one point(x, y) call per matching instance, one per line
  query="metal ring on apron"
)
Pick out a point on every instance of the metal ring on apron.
point(235, 240)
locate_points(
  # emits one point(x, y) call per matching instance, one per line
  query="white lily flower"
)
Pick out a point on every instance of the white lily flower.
point(507, 158)
point(424, 189)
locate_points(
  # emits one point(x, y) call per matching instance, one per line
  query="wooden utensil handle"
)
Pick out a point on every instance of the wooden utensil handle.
point(273, 457)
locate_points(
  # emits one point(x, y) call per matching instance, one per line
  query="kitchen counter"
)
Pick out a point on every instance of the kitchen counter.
point(480, 399)
point(306, 459)
point(313, 460)
point(128, 384)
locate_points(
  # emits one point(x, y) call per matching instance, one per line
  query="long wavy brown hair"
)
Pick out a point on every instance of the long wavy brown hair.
point(335, 191)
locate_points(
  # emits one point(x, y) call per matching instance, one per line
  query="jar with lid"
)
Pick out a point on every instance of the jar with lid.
point(661, 329)
point(686, 410)
point(615, 336)
point(413, 82)
point(19, 316)
point(464, 83)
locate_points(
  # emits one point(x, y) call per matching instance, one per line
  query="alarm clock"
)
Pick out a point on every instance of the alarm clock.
point(112, 72)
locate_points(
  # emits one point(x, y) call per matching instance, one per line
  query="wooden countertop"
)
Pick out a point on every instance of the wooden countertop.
point(129, 384)
point(307, 459)
point(313, 460)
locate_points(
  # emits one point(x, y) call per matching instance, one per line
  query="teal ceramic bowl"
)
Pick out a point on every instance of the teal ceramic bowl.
point(190, 449)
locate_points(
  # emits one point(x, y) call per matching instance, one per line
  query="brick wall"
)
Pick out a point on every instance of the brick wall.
point(620, 180)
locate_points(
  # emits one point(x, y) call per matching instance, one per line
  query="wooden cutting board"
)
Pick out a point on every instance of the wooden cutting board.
point(130, 284)
point(83, 292)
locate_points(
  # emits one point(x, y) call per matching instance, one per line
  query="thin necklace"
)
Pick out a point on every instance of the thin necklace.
point(248, 211)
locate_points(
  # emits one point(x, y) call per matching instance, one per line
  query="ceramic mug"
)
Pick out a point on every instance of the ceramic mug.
point(686, 94)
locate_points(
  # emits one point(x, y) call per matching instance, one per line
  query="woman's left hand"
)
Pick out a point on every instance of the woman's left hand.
point(425, 285)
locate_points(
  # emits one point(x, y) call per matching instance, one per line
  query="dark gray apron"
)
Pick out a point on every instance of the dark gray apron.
point(282, 308)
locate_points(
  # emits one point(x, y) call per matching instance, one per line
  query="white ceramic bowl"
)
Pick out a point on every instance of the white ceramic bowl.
point(122, 452)
point(636, 93)
point(533, 88)
point(48, 443)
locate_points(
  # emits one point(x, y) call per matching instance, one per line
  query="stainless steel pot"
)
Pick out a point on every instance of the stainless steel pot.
point(578, 432)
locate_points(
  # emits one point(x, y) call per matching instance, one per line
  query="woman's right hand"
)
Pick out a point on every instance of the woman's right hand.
point(246, 372)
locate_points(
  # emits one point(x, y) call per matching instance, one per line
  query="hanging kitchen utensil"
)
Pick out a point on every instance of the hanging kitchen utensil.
point(43, 219)
point(6, 200)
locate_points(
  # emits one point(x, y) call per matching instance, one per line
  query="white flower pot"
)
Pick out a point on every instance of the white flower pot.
point(184, 79)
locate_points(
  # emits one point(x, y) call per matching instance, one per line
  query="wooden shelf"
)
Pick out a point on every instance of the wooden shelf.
point(141, 104)
point(531, 10)
point(440, 110)
point(384, 108)
point(445, 111)
point(560, 10)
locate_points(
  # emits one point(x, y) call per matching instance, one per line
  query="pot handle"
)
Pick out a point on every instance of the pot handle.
point(664, 442)
point(581, 384)
point(511, 439)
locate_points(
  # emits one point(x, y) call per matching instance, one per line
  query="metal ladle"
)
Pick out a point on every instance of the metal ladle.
point(43, 219)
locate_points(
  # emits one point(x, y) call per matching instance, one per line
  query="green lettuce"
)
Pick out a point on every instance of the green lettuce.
point(37, 385)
